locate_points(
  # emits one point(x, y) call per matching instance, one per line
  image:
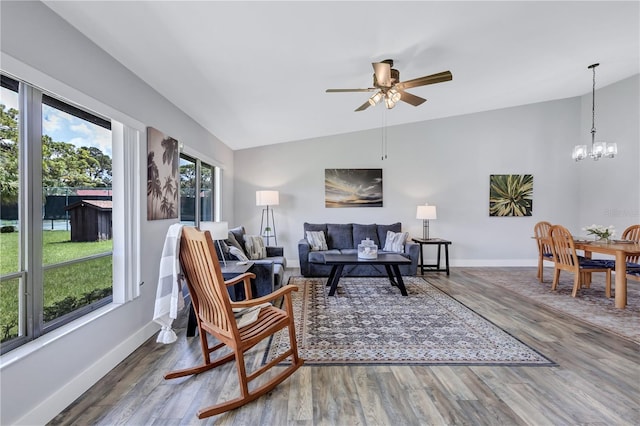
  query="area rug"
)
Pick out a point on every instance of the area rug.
point(369, 322)
point(590, 305)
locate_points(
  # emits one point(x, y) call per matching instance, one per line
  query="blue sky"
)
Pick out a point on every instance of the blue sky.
point(63, 127)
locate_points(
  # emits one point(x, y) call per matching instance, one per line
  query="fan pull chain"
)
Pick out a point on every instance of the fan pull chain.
point(383, 148)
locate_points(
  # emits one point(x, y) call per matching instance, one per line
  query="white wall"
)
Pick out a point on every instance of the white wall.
point(447, 162)
point(609, 189)
point(44, 50)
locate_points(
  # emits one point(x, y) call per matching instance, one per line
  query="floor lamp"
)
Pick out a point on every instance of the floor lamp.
point(426, 213)
point(268, 226)
point(219, 231)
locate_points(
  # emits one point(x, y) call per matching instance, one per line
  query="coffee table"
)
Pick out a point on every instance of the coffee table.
point(391, 261)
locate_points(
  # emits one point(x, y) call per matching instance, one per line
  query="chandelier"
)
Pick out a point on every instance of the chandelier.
point(598, 149)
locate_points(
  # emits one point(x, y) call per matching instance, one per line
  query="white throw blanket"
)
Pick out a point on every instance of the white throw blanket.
point(169, 299)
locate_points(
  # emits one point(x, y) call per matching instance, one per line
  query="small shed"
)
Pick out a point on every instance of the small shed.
point(91, 220)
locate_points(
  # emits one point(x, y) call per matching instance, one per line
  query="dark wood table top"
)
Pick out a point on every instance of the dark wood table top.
point(349, 259)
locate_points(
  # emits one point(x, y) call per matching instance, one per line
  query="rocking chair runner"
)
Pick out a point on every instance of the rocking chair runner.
point(214, 315)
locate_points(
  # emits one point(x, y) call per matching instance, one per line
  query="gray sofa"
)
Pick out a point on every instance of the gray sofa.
point(344, 238)
point(269, 271)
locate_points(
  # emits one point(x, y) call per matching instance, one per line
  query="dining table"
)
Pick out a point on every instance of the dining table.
point(620, 249)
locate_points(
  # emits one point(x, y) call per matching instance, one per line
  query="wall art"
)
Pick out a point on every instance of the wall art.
point(510, 195)
point(352, 188)
point(163, 160)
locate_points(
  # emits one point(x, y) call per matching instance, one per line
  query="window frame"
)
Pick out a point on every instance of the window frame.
point(126, 211)
point(216, 173)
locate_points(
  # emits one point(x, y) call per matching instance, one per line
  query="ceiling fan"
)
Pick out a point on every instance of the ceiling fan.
point(388, 87)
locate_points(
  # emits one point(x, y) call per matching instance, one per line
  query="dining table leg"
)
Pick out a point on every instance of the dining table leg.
point(621, 280)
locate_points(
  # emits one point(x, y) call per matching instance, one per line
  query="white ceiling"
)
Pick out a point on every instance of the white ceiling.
point(255, 73)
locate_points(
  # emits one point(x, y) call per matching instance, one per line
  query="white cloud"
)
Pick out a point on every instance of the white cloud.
point(71, 129)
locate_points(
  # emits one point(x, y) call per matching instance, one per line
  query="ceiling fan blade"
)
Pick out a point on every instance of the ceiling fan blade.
point(423, 81)
point(370, 89)
point(382, 72)
point(411, 99)
point(363, 106)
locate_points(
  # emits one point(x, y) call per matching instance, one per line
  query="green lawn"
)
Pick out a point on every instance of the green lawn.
point(66, 288)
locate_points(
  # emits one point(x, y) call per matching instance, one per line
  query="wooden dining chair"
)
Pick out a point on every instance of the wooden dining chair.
point(567, 259)
point(541, 233)
point(215, 317)
point(632, 233)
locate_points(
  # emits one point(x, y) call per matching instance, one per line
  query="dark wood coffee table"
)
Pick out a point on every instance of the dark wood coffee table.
point(388, 260)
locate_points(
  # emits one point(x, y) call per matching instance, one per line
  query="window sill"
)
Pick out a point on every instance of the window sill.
point(27, 349)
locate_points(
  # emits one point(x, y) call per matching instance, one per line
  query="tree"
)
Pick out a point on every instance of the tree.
point(8, 155)
point(63, 164)
point(154, 186)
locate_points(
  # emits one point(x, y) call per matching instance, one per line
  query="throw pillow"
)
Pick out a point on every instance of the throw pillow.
point(395, 241)
point(255, 247)
point(231, 241)
point(316, 240)
point(238, 233)
point(237, 253)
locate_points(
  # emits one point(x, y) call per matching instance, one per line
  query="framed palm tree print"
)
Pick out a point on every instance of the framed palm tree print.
point(163, 159)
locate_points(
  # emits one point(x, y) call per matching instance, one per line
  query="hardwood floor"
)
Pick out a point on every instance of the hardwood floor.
point(596, 382)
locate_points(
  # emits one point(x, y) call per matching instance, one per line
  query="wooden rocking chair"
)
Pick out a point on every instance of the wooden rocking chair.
point(215, 316)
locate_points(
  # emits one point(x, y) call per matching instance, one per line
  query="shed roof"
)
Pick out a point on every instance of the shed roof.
point(103, 205)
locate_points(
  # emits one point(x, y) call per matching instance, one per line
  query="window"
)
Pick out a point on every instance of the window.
point(197, 190)
point(58, 213)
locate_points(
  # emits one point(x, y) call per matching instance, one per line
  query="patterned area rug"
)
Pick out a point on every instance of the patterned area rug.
point(590, 305)
point(369, 322)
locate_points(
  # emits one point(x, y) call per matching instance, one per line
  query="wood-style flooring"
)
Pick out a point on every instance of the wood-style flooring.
point(596, 382)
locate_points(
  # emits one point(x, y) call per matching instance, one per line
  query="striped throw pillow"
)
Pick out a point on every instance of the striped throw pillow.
point(255, 247)
point(395, 241)
point(316, 240)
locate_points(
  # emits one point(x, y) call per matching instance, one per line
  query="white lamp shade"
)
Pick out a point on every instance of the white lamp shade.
point(218, 230)
point(426, 212)
point(267, 198)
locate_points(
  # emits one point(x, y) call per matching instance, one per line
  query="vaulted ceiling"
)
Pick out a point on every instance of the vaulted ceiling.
point(255, 73)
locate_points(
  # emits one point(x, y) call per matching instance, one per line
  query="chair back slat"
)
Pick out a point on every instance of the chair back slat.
point(541, 232)
point(632, 233)
point(204, 278)
point(563, 247)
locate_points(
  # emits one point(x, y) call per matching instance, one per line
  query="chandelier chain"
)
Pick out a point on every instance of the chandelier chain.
point(593, 106)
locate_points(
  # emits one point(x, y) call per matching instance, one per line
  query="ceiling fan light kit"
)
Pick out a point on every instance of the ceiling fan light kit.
point(388, 87)
point(598, 149)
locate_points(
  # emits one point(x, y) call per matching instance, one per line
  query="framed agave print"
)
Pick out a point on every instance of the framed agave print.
point(510, 195)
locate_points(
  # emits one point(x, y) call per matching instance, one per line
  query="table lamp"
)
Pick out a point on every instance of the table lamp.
point(219, 231)
point(426, 213)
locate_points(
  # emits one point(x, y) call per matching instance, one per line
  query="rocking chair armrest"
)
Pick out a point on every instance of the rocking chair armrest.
point(282, 291)
point(246, 277)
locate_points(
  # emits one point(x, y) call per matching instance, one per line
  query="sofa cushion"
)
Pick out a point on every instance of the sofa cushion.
point(395, 241)
point(316, 240)
point(232, 242)
point(382, 231)
point(339, 235)
point(362, 232)
point(318, 256)
point(314, 227)
point(238, 234)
